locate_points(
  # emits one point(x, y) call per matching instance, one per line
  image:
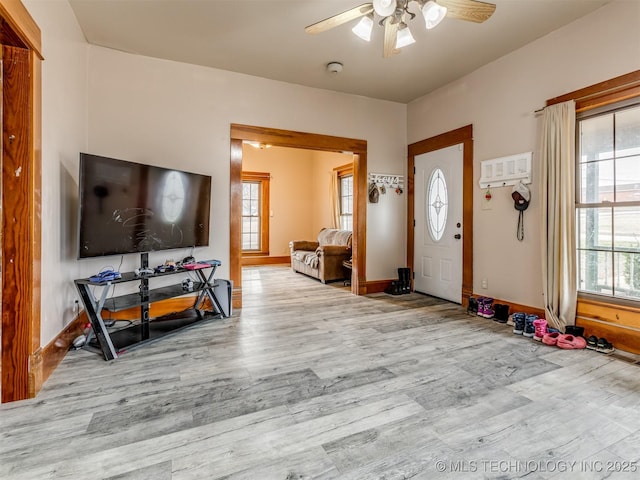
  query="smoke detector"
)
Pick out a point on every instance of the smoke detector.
point(334, 67)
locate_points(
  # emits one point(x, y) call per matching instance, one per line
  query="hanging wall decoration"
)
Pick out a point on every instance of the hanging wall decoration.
point(384, 181)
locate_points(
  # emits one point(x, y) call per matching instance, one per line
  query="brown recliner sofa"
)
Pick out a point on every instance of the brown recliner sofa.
point(323, 258)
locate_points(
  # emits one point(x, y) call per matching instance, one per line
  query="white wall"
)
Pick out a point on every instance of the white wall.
point(499, 100)
point(178, 115)
point(64, 134)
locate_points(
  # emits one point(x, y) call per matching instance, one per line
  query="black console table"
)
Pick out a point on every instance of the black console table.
point(112, 343)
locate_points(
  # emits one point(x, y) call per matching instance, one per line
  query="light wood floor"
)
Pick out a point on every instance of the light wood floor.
point(310, 382)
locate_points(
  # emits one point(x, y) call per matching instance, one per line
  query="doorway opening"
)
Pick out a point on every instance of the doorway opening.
point(464, 136)
point(290, 194)
point(286, 138)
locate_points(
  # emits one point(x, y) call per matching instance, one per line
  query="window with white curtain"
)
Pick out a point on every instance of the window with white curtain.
point(346, 201)
point(608, 201)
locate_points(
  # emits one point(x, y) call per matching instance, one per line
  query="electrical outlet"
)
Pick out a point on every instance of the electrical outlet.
point(485, 283)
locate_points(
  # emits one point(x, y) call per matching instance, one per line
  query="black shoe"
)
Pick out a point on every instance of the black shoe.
point(395, 288)
point(404, 276)
point(604, 346)
point(501, 312)
point(472, 308)
point(574, 330)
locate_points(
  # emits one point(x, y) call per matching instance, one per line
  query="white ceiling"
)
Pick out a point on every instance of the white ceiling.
point(266, 38)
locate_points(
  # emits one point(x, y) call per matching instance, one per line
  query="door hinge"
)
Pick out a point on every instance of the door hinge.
point(414, 223)
point(414, 170)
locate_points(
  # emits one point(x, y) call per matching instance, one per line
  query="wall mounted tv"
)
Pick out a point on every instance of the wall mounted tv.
point(128, 207)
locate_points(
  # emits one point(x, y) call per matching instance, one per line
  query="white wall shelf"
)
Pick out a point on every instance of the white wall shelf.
point(504, 171)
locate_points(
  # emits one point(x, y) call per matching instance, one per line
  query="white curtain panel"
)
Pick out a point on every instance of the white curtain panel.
point(557, 156)
point(335, 200)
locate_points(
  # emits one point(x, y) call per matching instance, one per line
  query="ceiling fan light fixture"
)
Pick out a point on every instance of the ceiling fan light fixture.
point(364, 28)
point(384, 8)
point(433, 14)
point(404, 36)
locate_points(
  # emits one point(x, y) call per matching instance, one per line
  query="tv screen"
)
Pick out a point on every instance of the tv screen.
point(128, 207)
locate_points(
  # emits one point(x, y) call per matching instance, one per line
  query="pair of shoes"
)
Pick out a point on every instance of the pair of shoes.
point(529, 329)
point(500, 313)
point(105, 275)
point(540, 329)
point(601, 345)
point(485, 307)
point(574, 330)
point(551, 338)
point(518, 323)
point(564, 341)
point(472, 308)
point(571, 342)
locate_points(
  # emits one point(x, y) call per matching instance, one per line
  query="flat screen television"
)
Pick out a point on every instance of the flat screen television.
point(128, 207)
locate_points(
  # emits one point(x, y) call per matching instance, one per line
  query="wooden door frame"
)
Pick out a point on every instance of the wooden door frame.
point(21, 223)
point(463, 135)
point(310, 141)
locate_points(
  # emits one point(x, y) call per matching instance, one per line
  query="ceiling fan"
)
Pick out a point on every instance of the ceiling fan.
point(394, 15)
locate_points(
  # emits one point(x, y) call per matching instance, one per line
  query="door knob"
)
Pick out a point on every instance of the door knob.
point(457, 236)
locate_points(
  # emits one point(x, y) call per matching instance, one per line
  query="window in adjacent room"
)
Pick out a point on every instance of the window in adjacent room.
point(255, 213)
point(608, 201)
point(345, 194)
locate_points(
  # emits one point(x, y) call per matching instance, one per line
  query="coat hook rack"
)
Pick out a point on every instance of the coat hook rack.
point(386, 180)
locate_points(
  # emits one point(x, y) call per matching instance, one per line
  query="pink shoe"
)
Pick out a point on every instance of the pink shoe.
point(550, 338)
point(569, 342)
point(540, 326)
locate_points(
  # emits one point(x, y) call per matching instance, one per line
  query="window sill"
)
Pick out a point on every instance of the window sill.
point(254, 253)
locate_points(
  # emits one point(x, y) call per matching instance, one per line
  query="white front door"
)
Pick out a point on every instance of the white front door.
point(438, 223)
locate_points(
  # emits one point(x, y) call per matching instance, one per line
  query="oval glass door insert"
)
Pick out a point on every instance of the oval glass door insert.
point(437, 204)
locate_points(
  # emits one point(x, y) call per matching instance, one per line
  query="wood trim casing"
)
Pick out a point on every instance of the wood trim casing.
point(463, 135)
point(263, 178)
point(619, 324)
point(283, 260)
point(378, 286)
point(21, 322)
point(604, 93)
point(310, 141)
point(235, 222)
point(344, 170)
point(21, 206)
point(45, 360)
point(22, 25)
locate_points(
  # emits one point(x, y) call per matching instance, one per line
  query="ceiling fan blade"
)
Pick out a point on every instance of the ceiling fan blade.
point(469, 10)
point(390, 34)
point(336, 20)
